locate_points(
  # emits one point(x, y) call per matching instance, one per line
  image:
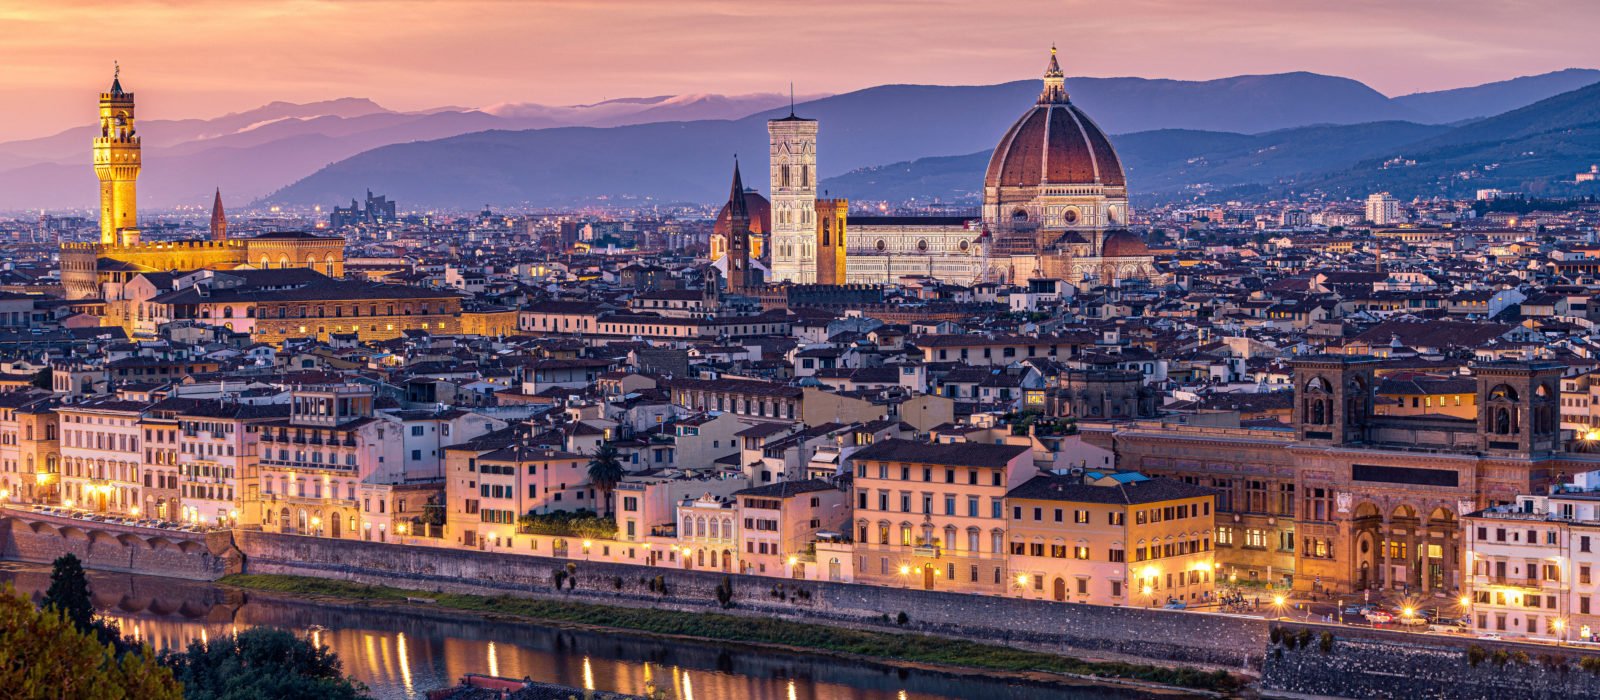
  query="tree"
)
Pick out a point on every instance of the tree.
point(68, 595)
point(261, 663)
point(605, 472)
point(45, 656)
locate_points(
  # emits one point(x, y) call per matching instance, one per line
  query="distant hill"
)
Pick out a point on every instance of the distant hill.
point(249, 154)
point(1535, 149)
point(862, 129)
point(1166, 163)
point(1446, 106)
point(326, 152)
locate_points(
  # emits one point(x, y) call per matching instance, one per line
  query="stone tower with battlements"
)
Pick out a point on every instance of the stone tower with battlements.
point(116, 164)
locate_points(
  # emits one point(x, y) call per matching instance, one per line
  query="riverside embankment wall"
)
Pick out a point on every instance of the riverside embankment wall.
point(1356, 662)
point(1154, 634)
point(1365, 663)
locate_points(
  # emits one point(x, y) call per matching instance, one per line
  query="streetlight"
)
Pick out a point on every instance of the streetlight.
point(1278, 602)
point(1560, 627)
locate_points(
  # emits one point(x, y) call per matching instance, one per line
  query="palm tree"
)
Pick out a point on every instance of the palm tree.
point(605, 472)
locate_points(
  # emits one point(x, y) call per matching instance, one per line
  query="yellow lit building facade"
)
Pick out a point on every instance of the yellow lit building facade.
point(933, 516)
point(1111, 539)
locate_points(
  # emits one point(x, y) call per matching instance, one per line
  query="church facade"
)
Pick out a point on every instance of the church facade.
point(97, 270)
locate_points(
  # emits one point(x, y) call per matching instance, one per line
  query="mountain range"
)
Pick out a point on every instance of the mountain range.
point(251, 153)
point(1230, 132)
point(1536, 149)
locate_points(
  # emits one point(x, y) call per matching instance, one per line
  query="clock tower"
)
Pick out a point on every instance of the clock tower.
point(116, 164)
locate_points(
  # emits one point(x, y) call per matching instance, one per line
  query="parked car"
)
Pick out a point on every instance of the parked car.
point(1378, 617)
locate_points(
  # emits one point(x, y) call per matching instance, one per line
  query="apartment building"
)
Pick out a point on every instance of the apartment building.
point(101, 455)
point(491, 481)
point(1111, 539)
point(1533, 564)
point(933, 516)
point(29, 448)
point(219, 451)
point(779, 523)
point(312, 462)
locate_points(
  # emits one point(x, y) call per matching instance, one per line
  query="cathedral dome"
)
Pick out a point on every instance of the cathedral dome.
point(760, 215)
point(1122, 244)
point(1054, 143)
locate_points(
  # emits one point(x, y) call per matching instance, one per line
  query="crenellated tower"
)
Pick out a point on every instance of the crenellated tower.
point(116, 164)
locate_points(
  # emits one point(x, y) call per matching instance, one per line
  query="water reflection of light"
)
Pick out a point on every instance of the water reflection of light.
point(405, 664)
point(204, 639)
point(316, 638)
point(688, 688)
point(588, 674)
point(494, 662)
point(792, 695)
point(901, 695)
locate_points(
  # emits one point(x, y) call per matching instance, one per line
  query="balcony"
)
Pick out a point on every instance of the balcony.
point(317, 501)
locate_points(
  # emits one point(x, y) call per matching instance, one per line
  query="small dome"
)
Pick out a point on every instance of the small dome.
point(1122, 244)
point(760, 215)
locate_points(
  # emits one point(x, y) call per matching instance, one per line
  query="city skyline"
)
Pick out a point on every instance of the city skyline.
point(578, 53)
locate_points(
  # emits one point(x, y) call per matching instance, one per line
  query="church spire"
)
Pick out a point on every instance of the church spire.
point(1055, 89)
point(219, 219)
point(736, 205)
point(116, 79)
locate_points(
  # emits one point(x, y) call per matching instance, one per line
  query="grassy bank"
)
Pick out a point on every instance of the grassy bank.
point(892, 646)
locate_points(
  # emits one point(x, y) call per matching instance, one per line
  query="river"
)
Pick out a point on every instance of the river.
point(401, 655)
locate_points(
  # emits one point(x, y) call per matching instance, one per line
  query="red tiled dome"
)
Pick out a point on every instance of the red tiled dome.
point(1054, 144)
point(1122, 244)
point(760, 215)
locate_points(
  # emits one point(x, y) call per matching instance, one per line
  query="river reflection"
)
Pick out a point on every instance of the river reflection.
point(404, 654)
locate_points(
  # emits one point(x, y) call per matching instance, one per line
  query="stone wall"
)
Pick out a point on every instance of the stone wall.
point(1064, 627)
point(1389, 664)
point(40, 538)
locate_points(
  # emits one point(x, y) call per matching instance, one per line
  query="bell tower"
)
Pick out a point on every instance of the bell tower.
point(792, 248)
point(116, 165)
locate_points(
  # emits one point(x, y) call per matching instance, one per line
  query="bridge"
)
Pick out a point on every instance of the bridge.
point(41, 537)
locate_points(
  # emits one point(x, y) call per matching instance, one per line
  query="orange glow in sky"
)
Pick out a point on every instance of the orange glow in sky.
point(188, 58)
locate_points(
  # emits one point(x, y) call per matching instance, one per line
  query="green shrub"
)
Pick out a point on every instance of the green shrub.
point(1590, 664)
point(1276, 635)
point(1500, 657)
point(902, 618)
point(573, 523)
point(1326, 643)
point(1476, 655)
point(725, 593)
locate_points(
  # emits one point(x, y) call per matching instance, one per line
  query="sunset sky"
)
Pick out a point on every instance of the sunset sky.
point(189, 58)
